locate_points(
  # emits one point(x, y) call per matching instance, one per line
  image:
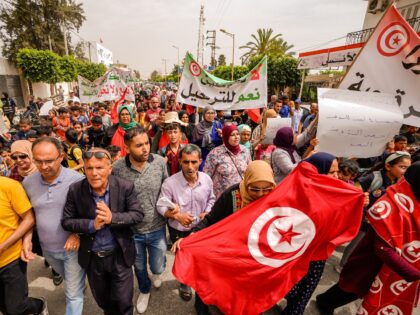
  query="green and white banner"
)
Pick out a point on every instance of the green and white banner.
point(200, 88)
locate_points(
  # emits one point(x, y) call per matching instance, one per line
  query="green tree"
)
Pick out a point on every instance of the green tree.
point(68, 68)
point(155, 76)
point(225, 72)
point(221, 61)
point(282, 72)
point(265, 43)
point(39, 65)
point(90, 70)
point(38, 24)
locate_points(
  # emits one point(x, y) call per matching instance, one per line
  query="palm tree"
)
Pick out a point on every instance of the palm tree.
point(264, 43)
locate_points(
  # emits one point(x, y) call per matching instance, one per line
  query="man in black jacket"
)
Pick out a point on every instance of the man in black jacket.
point(101, 209)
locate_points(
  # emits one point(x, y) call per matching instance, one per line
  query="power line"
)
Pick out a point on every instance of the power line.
point(319, 45)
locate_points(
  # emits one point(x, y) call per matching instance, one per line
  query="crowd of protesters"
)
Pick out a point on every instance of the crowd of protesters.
point(100, 196)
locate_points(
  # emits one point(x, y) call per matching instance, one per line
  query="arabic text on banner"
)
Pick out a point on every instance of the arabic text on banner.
point(356, 124)
point(390, 63)
point(334, 57)
point(88, 91)
point(200, 88)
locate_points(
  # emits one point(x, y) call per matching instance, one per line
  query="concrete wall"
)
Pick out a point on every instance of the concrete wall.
point(406, 7)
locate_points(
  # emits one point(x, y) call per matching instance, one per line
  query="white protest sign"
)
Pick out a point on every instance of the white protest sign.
point(273, 125)
point(3, 127)
point(200, 88)
point(356, 124)
point(390, 63)
point(46, 108)
point(88, 90)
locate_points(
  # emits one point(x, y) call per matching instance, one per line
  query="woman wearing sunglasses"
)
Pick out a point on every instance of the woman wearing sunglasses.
point(258, 181)
point(21, 154)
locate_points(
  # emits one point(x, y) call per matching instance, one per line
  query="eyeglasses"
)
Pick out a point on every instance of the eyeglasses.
point(20, 156)
point(46, 162)
point(97, 154)
point(210, 113)
point(264, 190)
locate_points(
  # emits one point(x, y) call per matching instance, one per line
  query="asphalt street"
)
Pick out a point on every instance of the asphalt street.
point(165, 300)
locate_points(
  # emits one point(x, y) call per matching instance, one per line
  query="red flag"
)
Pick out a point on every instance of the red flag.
point(254, 114)
point(114, 112)
point(250, 260)
point(395, 218)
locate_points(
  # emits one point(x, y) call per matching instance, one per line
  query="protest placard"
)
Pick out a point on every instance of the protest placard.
point(46, 108)
point(200, 88)
point(273, 125)
point(356, 124)
point(88, 91)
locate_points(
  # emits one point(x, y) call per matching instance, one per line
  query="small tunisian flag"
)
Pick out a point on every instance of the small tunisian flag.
point(250, 260)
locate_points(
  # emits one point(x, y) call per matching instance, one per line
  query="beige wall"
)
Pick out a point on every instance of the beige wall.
point(371, 20)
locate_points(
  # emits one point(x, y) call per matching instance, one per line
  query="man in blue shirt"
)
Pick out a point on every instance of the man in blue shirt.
point(101, 209)
point(285, 108)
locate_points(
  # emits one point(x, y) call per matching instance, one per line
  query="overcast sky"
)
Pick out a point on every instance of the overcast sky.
point(141, 33)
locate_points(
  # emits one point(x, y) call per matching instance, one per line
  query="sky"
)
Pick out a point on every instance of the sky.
point(141, 33)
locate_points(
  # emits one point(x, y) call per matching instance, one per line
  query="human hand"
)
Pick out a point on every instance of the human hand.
point(202, 215)
point(98, 223)
point(103, 212)
point(314, 142)
point(176, 246)
point(184, 218)
point(367, 199)
point(72, 243)
point(26, 253)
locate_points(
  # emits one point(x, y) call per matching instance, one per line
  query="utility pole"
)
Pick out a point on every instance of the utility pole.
point(200, 44)
point(165, 60)
point(233, 48)
point(179, 74)
point(213, 46)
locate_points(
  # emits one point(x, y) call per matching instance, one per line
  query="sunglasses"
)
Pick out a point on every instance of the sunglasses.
point(97, 154)
point(21, 157)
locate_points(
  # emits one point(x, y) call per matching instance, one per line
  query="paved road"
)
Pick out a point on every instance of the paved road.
point(163, 301)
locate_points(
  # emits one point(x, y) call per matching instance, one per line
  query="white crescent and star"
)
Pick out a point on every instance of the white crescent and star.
point(280, 235)
point(393, 39)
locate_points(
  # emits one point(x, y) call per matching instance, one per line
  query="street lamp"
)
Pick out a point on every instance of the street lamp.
point(233, 46)
point(177, 48)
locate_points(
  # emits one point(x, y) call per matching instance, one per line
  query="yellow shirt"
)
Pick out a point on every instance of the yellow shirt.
point(72, 160)
point(13, 204)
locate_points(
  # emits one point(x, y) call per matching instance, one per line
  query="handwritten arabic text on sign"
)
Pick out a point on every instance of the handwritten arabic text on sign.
point(356, 124)
point(200, 88)
point(273, 125)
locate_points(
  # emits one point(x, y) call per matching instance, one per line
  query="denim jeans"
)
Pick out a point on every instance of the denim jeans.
point(154, 244)
point(66, 264)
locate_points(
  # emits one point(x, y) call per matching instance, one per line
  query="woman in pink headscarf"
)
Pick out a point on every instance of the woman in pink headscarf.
point(226, 164)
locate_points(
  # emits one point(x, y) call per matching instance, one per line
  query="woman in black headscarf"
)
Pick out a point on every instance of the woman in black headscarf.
point(300, 294)
point(187, 130)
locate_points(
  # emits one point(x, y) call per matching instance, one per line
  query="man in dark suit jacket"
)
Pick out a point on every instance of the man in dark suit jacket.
point(101, 209)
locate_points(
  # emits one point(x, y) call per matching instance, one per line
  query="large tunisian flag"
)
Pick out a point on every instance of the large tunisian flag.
point(250, 260)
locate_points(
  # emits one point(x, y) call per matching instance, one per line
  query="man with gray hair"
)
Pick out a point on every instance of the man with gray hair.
point(192, 197)
point(273, 101)
point(101, 208)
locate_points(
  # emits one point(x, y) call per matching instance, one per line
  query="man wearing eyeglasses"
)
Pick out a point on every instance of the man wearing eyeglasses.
point(101, 208)
point(47, 191)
